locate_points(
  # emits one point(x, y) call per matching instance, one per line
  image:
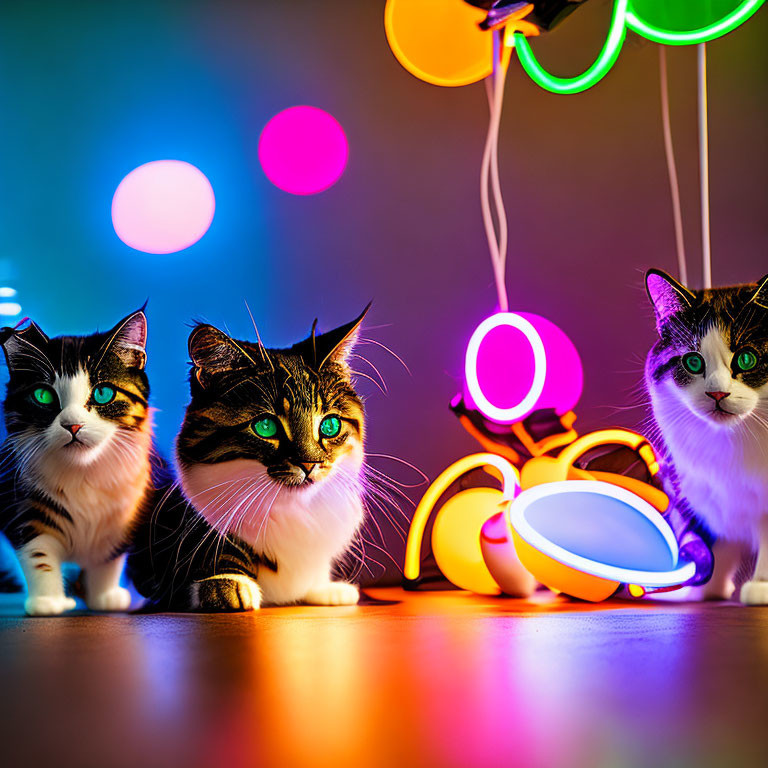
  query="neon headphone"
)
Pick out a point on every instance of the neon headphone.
point(470, 539)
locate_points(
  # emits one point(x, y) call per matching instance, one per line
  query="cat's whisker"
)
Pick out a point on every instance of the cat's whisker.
point(372, 497)
point(213, 531)
point(254, 509)
point(372, 519)
point(379, 487)
point(366, 340)
point(243, 507)
point(230, 494)
point(370, 378)
point(399, 461)
point(384, 551)
point(262, 350)
point(399, 530)
point(388, 508)
point(363, 559)
point(358, 356)
point(268, 512)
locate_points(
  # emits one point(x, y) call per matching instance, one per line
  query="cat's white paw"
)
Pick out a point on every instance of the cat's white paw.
point(333, 593)
point(755, 593)
point(44, 605)
point(114, 599)
point(710, 591)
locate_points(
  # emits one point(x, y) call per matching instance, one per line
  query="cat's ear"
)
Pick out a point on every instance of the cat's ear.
point(760, 296)
point(24, 347)
point(334, 346)
point(667, 295)
point(33, 333)
point(128, 340)
point(212, 351)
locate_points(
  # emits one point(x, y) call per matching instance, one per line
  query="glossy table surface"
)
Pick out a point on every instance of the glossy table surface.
point(414, 679)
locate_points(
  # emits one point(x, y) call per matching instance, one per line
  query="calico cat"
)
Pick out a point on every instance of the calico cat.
point(270, 459)
point(707, 377)
point(76, 458)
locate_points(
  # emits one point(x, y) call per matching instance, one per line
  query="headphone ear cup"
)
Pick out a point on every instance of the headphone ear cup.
point(456, 539)
point(501, 558)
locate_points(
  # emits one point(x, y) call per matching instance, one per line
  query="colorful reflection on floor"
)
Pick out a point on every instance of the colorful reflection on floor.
point(428, 679)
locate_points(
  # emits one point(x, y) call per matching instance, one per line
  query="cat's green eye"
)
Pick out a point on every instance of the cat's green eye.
point(43, 396)
point(745, 360)
point(265, 427)
point(693, 362)
point(104, 394)
point(330, 426)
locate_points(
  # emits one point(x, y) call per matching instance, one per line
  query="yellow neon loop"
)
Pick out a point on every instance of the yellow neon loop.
point(511, 485)
point(607, 437)
point(649, 457)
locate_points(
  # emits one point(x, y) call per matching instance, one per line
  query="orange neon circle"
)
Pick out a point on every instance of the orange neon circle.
point(439, 41)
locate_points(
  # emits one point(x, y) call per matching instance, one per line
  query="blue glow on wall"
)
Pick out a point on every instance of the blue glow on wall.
point(96, 92)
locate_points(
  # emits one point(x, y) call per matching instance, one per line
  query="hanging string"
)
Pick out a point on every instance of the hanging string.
point(706, 244)
point(669, 151)
point(489, 174)
point(485, 203)
point(501, 213)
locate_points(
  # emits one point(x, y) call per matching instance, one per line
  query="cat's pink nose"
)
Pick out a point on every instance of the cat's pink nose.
point(308, 466)
point(73, 428)
point(718, 396)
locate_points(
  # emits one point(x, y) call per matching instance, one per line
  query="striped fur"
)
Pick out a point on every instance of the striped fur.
point(263, 518)
point(713, 422)
point(76, 471)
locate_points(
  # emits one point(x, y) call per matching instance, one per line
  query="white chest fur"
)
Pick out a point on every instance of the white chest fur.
point(723, 473)
point(101, 498)
point(302, 530)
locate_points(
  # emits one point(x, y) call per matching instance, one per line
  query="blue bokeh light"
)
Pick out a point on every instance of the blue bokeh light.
point(73, 272)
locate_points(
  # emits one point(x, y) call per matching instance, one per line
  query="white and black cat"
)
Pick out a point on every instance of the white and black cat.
point(707, 377)
point(76, 470)
point(270, 458)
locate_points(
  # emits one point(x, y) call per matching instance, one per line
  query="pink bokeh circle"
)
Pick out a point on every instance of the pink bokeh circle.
point(303, 150)
point(163, 206)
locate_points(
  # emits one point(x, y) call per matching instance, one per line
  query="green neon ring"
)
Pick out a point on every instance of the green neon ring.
point(624, 17)
point(703, 35)
point(605, 60)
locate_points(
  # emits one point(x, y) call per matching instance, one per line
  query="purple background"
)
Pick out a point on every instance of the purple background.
point(91, 90)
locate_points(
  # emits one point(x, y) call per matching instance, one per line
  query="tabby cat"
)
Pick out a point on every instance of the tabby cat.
point(76, 458)
point(270, 459)
point(707, 377)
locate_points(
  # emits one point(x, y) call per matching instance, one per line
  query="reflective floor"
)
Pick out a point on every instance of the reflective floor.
point(428, 679)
